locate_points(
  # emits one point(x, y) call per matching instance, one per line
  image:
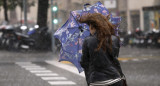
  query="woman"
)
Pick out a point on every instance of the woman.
point(100, 52)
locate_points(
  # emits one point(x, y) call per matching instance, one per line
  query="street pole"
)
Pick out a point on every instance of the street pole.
point(52, 27)
point(25, 12)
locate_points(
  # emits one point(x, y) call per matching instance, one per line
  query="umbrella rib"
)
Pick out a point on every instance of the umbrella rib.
point(76, 22)
point(71, 35)
point(67, 51)
point(78, 42)
point(75, 19)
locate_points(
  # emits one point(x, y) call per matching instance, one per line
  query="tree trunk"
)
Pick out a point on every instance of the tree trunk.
point(5, 10)
point(13, 16)
point(42, 13)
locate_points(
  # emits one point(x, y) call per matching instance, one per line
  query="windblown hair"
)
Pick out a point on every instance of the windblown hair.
point(104, 29)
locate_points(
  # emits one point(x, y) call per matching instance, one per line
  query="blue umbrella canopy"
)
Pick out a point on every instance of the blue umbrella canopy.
point(71, 36)
point(116, 21)
point(73, 33)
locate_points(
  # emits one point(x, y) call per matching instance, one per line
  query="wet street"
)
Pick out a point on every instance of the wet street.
point(141, 67)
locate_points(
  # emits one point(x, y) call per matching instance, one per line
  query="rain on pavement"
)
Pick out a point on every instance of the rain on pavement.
point(43, 68)
point(29, 53)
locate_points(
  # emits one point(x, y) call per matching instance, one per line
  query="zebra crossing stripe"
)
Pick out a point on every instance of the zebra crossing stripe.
point(54, 78)
point(28, 65)
point(47, 74)
point(61, 83)
point(41, 71)
point(35, 68)
point(31, 66)
point(66, 67)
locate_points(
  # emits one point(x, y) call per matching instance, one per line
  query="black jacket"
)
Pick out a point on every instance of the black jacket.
point(100, 65)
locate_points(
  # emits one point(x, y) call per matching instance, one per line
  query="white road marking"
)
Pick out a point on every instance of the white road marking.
point(36, 68)
point(54, 78)
point(31, 67)
point(61, 83)
point(145, 58)
point(135, 59)
point(26, 64)
point(42, 71)
point(47, 74)
point(124, 60)
point(66, 67)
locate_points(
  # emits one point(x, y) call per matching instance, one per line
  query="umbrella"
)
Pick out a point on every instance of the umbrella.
point(72, 34)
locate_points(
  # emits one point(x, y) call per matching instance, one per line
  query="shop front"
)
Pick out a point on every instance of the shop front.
point(151, 18)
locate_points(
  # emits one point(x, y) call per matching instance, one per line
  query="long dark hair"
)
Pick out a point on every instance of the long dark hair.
point(104, 29)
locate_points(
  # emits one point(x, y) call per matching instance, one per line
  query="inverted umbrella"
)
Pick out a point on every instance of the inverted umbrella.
point(71, 36)
point(73, 33)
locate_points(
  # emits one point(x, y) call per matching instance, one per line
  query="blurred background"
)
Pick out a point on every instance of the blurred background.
point(26, 35)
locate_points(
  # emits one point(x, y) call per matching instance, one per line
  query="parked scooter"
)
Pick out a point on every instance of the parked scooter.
point(7, 37)
point(144, 40)
point(12, 40)
point(24, 41)
point(42, 38)
point(26, 38)
point(153, 38)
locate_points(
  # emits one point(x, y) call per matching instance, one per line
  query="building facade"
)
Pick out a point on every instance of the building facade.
point(143, 14)
point(17, 14)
